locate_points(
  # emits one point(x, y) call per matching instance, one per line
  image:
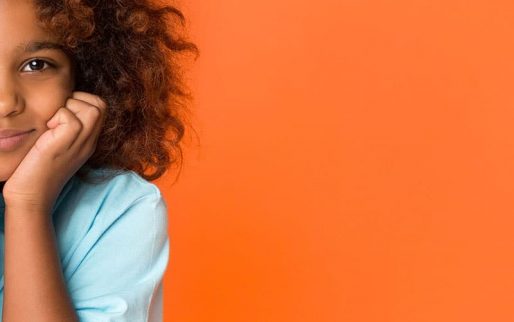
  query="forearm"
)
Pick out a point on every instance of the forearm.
point(34, 287)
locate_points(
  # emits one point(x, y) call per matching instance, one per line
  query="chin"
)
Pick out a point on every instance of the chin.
point(9, 161)
point(8, 165)
point(5, 174)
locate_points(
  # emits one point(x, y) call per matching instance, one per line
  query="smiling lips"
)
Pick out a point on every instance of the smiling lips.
point(10, 139)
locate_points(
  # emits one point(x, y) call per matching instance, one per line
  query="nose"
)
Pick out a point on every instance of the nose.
point(10, 102)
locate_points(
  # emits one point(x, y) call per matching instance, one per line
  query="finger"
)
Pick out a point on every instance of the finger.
point(64, 129)
point(94, 100)
point(89, 116)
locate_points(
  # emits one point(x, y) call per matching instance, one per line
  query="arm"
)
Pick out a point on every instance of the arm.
point(34, 288)
point(33, 285)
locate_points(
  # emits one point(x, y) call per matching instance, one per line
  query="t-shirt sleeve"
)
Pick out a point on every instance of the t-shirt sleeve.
point(125, 256)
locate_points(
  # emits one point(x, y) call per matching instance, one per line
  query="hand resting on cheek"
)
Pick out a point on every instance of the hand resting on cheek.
point(58, 153)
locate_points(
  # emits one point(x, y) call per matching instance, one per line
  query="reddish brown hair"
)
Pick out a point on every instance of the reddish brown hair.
point(127, 52)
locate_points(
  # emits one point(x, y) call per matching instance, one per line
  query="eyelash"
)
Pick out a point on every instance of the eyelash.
point(48, 65)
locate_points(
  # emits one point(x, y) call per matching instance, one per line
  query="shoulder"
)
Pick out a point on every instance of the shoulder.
point(124, 205)
point(125, 186)
point(113, 244)
point(114, 195)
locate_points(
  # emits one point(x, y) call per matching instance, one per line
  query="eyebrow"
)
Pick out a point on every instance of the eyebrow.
point(34, 46)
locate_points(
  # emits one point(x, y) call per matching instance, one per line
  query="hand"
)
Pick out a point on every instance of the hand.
point(57, 154)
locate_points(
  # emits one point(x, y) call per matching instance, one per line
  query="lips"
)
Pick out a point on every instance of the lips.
point(11, 139)
point(7, 133)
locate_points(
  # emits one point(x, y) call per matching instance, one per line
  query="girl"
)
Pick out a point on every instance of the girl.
point(90, 112)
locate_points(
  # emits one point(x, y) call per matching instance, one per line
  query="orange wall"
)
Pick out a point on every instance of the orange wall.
point(356, 164)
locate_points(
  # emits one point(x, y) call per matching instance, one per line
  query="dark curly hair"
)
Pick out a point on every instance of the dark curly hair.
point(129, 53)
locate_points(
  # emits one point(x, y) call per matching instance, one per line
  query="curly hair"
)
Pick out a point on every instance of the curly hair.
point(127, 52)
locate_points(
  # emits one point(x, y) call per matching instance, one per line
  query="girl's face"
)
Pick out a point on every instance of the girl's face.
point(35, 79)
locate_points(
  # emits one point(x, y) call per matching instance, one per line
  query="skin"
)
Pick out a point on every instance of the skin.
point(37, 96)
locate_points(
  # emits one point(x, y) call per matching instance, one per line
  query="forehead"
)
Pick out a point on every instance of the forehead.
point(19, 25)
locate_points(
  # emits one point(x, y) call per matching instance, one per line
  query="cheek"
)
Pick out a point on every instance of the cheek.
point(43, 101)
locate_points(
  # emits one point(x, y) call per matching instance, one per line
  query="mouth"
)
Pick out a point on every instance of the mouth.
point(11, 142)
point(7, 133)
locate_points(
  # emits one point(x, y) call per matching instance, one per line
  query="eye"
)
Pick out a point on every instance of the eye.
point(36, 65)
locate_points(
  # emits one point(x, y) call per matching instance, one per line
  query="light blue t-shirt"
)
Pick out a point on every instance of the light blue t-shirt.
point(113, 245)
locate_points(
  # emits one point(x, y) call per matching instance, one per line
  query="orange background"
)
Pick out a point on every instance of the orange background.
point(356, 163)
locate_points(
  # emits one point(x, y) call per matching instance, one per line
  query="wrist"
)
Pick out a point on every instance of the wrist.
point(25, 209)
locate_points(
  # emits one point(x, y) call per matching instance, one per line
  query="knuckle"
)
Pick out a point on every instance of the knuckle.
point(78, 128)
point(94, 112)
point(90, 98)
point(76, 124)
point(100, 102)
point(64, 113)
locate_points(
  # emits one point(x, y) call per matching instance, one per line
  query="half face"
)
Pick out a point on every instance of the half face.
point(35, 80)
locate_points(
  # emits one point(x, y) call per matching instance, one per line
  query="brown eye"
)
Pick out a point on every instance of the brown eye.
point(35, 65)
